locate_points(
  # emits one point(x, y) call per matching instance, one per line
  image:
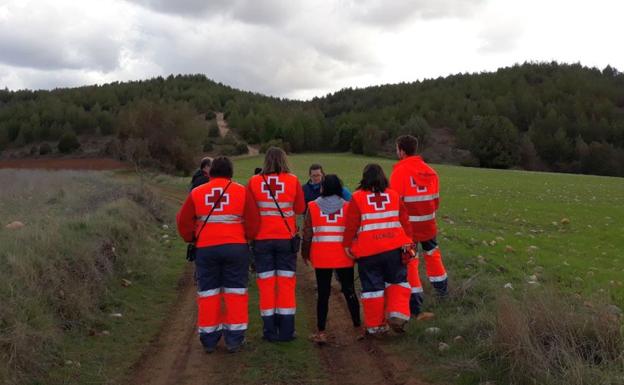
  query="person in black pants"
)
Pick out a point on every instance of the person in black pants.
point(322, 245)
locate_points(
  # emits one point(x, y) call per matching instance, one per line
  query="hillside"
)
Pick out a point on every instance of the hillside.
point(536, 116)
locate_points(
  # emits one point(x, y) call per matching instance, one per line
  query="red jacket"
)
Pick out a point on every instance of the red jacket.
point(419, 187)
point(288, 192)
point(229, 223)
point(376, 225)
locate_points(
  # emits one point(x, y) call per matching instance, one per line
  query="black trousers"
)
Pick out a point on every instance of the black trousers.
point(323, 282)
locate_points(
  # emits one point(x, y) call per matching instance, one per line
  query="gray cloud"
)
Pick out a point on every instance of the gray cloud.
point(43, 39)
point(268, 12)
point(251, 57)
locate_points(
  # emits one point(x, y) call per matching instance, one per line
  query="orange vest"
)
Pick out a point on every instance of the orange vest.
point(225, 224)
point(380, 227)
point(419, 186)
point(284, 187)
point(326, 251)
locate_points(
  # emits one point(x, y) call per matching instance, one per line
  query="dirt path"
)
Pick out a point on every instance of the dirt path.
point(349, 359)
point(224, 129)
point(222, 124)
point(176, 357)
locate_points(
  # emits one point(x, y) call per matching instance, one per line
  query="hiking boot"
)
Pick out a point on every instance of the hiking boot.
point(237, 348)
point(319, 338)
point(375, 333)
point(397, 324)
point(425, 316)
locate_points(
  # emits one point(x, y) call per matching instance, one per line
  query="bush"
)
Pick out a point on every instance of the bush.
point(274, 143)
point(208, 147)
point(44, 149)
point(213, 130)
point(68, 143)
point(552, 339)
point(241, 148)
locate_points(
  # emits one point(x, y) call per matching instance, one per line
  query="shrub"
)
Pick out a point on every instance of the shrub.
point(68, 143)
point(45, 148)
point(551, 339)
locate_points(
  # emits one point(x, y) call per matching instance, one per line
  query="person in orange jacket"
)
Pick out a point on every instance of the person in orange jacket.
point(418, 185)
point(376, 232)
point(324, 225)
point(213, 216)
point(277, 196)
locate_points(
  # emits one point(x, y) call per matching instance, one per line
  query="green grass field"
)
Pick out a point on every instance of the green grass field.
point(563, 233)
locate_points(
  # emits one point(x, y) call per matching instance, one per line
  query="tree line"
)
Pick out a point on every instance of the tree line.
point(537, 116)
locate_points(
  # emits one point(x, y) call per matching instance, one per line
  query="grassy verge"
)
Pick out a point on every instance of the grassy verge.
point(86, 281)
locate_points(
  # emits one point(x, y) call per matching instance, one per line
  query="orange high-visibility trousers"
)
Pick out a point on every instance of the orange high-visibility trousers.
point(385, 290)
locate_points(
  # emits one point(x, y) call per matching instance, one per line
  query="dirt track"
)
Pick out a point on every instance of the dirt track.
point(176, 356)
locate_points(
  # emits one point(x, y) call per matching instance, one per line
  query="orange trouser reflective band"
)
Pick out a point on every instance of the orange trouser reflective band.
point(397, 300)
point(286, 302)
point(266, 282)
point(413, 277)
point(209, 310)
point(236, 316)
point(373, 304)
point(434, 266)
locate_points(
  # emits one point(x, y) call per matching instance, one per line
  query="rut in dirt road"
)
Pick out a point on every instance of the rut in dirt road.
point(348, 358)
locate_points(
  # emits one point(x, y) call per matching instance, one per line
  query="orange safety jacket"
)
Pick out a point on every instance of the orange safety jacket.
point(225, 224)
point(419, 187)
point(326, 251)
point(380, 221)
point(288, 193)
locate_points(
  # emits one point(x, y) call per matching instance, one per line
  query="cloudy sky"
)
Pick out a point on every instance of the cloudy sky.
point(296, 49)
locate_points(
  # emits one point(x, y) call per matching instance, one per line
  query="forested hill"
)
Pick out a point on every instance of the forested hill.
point(543, 116)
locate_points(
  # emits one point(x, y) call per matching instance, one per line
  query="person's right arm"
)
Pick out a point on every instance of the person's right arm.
point(185, 220)
point(352, 225)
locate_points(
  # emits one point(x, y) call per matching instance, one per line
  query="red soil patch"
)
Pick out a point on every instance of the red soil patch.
point(64, 164)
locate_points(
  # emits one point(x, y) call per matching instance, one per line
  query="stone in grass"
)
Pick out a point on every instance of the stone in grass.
point(125, 282)
point(492, 243)
point(14, 225)
point(165, 227)
point(509, 249)
point(616, 311)
point(443, 347)
point(116, 315)
point(532, 248)
point(481, 259)
point(508, 285)
point(458, 339)
point(432, 330)
point(565, 221)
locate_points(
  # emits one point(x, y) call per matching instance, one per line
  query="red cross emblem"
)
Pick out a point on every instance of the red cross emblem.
point(416, 186)
point(333, 217)
point(274, 186)
point(378, 200)
point(213, 197)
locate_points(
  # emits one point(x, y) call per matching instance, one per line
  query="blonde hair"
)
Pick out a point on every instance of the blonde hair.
point(275, 161)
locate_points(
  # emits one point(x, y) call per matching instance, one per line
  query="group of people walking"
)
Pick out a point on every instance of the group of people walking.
point(378, 227)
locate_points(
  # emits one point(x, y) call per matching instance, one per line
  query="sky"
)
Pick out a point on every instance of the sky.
point(296, 49)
